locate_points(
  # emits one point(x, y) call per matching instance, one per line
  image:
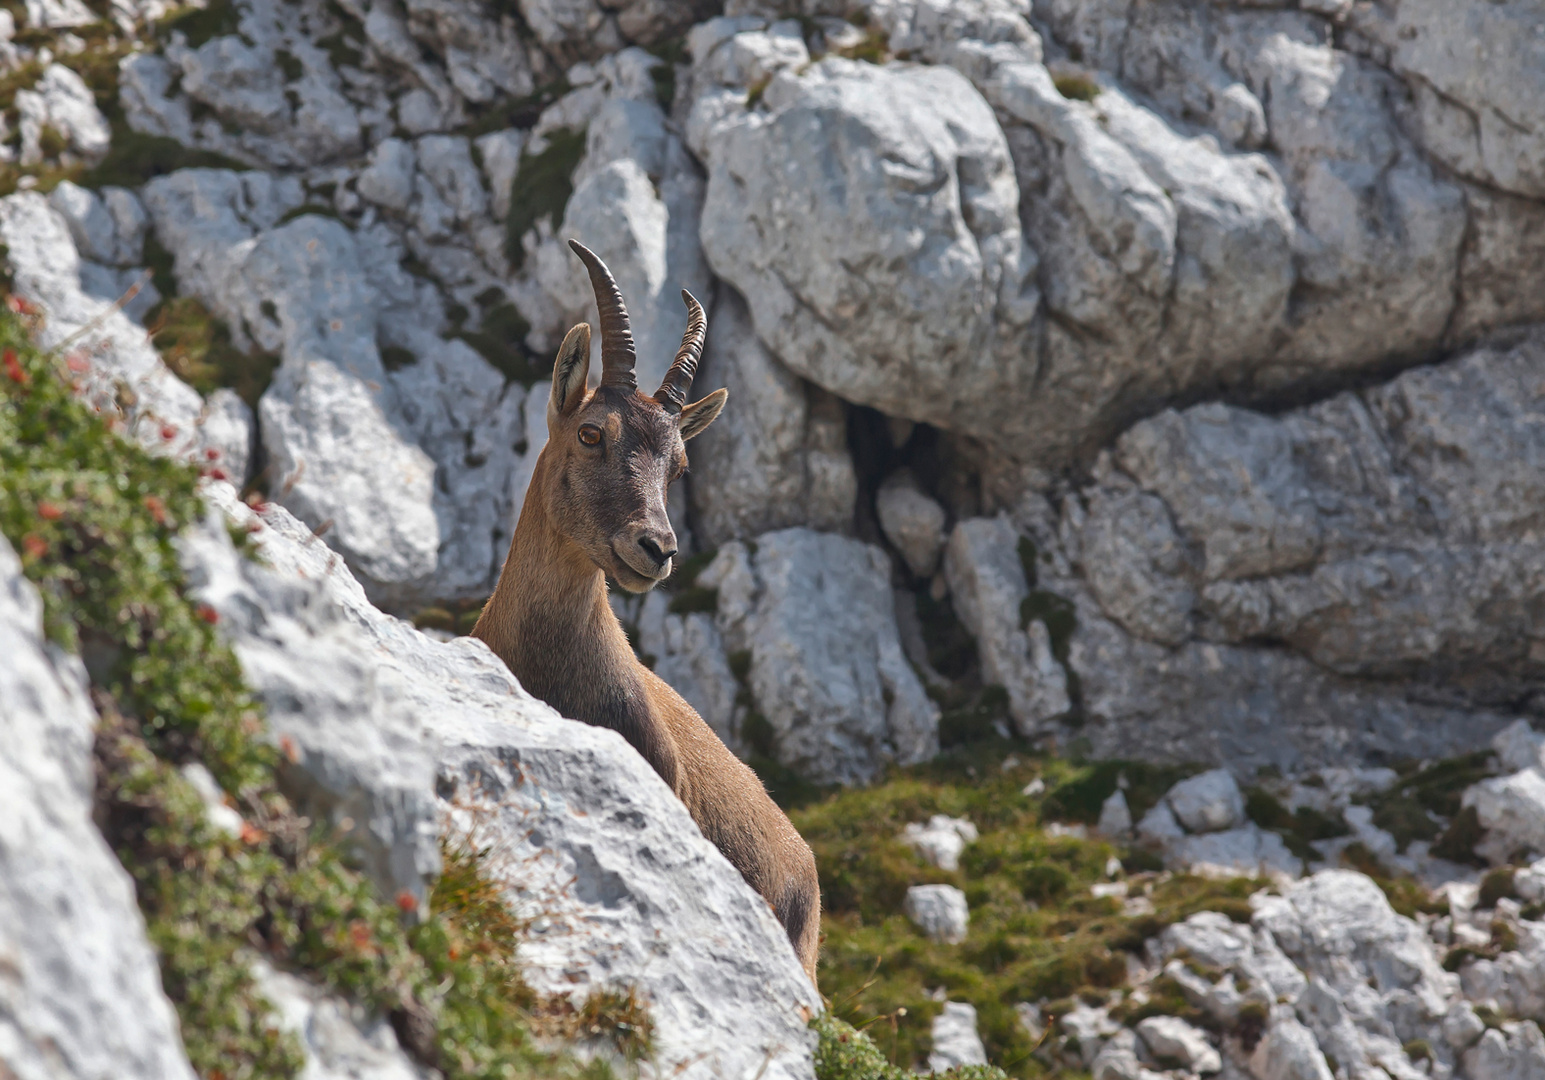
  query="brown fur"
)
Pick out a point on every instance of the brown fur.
point(590, 511)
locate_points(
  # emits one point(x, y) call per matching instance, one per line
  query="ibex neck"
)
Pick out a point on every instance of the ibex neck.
point(549, 620)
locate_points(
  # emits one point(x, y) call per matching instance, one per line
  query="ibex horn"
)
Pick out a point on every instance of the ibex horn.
point(678, 380)
point(617, 354)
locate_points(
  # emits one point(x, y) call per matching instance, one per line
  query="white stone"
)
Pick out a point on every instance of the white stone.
point(500, 152)
point(1115, 816)
point(1207, 802)
point(912, 521)
point(387, 178)
point(1159, 825)
point(63, 101)
point(955, 1041)
point(940, 911)
point(1248, 850)
point(1288, 1051)
point(339, 1039)
point(1519, 746)
point(83, 987)
point(1512, 811)
point(987, 582)
point(777, 456)
point(827, 667)
point(689, 654)
point(1171, 1037)
point(941, 840)
point(227, 429)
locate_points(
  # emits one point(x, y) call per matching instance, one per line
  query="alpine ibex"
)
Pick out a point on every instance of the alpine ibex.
point(596, 506)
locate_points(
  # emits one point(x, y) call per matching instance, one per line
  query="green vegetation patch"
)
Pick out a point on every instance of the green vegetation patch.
point(1077, 87)
point(1037, 934)
point(541, 189)
point(501, 340)
point(1413, 808)
point(218, 18)
point(94, 520)
point(1080, 797)
point(1299, 828)
point(845, 1053)
point(197, 347)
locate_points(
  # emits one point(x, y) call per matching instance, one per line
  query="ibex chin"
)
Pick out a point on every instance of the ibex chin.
point(596, 506)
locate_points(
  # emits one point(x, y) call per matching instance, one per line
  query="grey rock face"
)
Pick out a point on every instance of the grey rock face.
point(61, 100)
point(411, 467)
point(777, 456)
point(407, 736)
point(832, 250)
point(340, 1041)
point(940, 911)
point(983, 567)
point(827, 669)
point(689, 655)
point(1173, 1038)
point(1378, 535)
point(83, 994)
point(1476, 74)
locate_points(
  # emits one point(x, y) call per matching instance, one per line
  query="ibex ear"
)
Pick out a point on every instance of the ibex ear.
point(570, 371)
point(698, 415)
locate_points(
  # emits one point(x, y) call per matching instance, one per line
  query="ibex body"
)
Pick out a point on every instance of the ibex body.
point(596, 506)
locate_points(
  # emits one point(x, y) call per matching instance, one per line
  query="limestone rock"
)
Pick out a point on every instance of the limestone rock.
point(1249, 851)
point(891, 288)
point(941, 840)
point(404, 734)
point(340, 1041)
point(940, 911)
point(689, 654)
point(1512, 811)
point(988, 584)
point(777, 456)
point(955, 1041)
point(1172, 1038)
point(1288, 1051)
point(1115, 816)
point(1361, 532)
point(83, 985)
point(827, 669)
point(912, 521)
point(1207, 802)
point(61, 100)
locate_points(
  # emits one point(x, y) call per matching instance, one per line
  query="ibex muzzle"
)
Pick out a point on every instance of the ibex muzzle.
point(596, 507)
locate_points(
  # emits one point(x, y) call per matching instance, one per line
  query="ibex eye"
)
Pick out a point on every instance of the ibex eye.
point(590, 435)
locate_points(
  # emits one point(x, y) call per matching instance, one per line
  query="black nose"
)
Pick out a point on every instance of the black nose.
point(652, 549)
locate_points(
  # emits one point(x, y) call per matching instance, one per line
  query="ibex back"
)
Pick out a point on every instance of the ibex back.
point(596, 506)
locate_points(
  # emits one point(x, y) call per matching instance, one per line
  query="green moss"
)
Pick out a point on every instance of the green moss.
point(970, 718)
point(1457, 844)
point(1411, 808)
point(501, 340)
point(343, 48)
point(1076, 87)
point(873, 49)
point(197, 347)
point(316, 209)
point(671, 52)
point(1036, 932)
point(218, 19)
point(1081, 796)
point(290, 64)
point(521, 112)
point(1298, 829)
point(694, 598)
point(844, 1053)
point(94, 520)
point(1495, 885)
point(951, 648)
point(541, 189)
point(136, 158)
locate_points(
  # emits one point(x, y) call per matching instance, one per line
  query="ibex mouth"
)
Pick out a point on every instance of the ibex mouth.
point(634, 579)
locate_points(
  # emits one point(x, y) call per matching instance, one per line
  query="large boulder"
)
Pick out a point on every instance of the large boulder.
point(1383, 539)
point(883, 259)
point(827, 672)
point(83, 987)
point(395, 735)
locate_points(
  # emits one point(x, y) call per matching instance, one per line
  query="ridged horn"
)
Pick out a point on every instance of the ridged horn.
point(617, 352)
point(678, 380)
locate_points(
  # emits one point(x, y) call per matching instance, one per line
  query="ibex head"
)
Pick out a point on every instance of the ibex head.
point(613, 451)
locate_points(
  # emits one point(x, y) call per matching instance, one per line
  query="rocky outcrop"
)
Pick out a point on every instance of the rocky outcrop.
point(397, 737)
point(83, 994)
point(826, 668)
